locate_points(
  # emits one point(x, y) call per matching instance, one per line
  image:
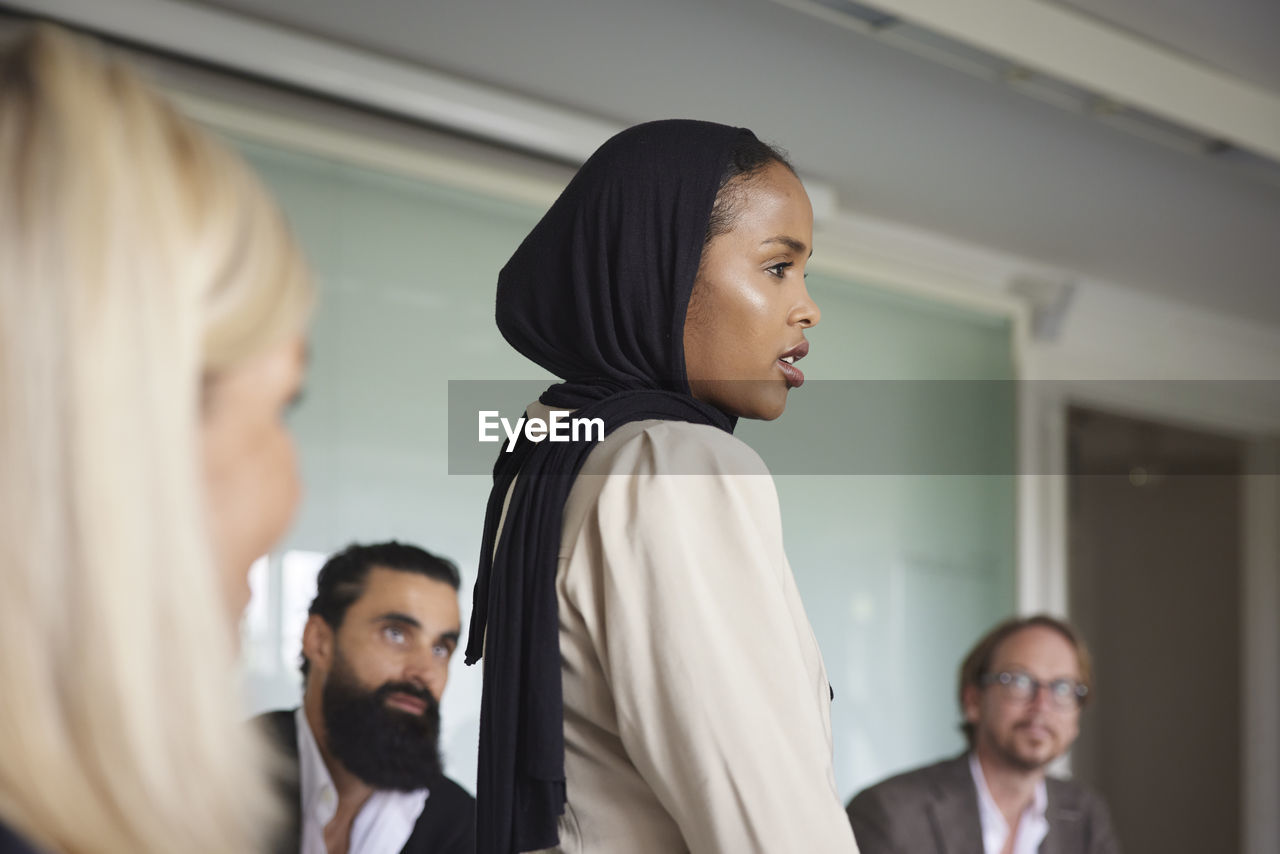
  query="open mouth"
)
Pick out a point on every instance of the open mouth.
point(795, 377)
point(787, 363)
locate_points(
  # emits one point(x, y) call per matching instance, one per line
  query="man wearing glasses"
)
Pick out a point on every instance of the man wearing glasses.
point(1021, 691)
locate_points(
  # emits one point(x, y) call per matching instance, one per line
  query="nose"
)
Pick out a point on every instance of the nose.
point(806, 312)
point(1041, 699)
point(427, 670)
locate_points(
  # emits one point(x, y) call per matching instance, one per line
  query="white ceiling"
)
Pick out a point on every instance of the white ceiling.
point(1241, 37)
point(898, 137)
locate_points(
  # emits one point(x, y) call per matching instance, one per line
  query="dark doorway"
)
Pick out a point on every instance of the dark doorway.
point(1155, 569)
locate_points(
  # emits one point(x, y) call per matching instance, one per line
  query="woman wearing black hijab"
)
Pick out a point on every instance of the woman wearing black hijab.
point(651, 681)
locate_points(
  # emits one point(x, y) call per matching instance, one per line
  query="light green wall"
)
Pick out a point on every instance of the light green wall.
point(899, 571)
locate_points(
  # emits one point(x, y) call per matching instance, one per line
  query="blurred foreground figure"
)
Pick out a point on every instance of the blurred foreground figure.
point(152, 305)
point(367, 777)
point(1022, 688)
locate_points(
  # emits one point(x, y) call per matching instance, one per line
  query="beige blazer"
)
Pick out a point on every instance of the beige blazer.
point(697, 708)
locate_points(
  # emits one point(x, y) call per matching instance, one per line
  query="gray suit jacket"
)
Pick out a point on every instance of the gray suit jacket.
point(934, 810)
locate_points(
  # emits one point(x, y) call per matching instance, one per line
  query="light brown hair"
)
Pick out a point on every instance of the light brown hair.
point(977, 664)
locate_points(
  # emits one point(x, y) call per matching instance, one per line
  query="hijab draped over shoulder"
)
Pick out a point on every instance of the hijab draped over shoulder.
point(597, 294)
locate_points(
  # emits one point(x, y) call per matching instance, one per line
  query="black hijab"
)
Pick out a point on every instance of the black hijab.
point(597, 294)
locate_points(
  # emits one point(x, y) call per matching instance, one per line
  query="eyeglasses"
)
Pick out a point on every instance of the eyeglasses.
point(1063, 693)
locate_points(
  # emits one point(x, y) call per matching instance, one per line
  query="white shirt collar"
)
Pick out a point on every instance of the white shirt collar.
point(1033, 825)
point(384, 823)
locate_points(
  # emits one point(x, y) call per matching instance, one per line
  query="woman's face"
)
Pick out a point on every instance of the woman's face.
point(251, 472)
point(749, 307)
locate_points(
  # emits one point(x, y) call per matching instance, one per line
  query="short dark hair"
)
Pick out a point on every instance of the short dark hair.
point(341, 579)
point(748, 158)
point(977, 664)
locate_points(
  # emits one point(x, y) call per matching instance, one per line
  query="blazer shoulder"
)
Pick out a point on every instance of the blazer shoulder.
point(280, 727)
point(448, 822)
point(1073, 803)
point(12, 843)
point(918, 783)
point(447, 793)
point(881, 814)
point(673, 447)
point(1073, 796)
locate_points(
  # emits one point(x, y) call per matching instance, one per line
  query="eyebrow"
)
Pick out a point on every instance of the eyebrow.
point(797, 246)
point(1022, 668)
point(398, 617)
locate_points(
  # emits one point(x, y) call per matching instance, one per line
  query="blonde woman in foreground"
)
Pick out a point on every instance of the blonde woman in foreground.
point(152, 306)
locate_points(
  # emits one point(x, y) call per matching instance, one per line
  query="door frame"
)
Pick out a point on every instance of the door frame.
point(1044, 571)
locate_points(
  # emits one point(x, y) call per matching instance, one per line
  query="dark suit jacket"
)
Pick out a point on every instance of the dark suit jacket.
point(934, 810)
point(447, 824)
point(12, 843)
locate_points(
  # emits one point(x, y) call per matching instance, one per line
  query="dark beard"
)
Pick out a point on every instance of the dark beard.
point(386, 748)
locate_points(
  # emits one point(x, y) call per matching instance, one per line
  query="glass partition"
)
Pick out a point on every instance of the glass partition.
point(900, 568)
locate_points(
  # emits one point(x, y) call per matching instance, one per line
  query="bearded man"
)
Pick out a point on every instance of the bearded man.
point(1022, 689)
point(375, 659)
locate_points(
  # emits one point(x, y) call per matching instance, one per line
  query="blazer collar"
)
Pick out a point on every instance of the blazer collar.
point(1066, 819)
point(954, 809)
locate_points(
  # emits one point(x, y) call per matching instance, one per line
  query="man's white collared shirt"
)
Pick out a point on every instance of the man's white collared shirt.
point(385, 822)
point(1033, 825)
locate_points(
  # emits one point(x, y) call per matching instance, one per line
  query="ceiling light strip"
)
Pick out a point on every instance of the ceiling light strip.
point(280, 55)
point(1109, 62)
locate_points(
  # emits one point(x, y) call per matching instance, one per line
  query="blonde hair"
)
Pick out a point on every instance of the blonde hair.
point(138, 259)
